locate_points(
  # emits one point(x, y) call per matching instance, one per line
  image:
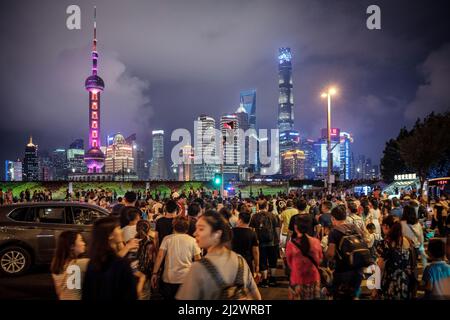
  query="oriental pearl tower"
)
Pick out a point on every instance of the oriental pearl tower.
point(94, 158)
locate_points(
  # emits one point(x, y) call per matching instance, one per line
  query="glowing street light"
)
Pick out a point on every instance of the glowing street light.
point(327, 94)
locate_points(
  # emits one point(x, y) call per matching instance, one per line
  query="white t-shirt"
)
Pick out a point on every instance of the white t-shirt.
point(128, 233)
point(180, 251)
point(199, 284)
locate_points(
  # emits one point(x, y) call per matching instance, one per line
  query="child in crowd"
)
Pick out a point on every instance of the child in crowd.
point(436, 276)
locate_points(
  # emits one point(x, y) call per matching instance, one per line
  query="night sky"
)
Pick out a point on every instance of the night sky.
point(166, 62)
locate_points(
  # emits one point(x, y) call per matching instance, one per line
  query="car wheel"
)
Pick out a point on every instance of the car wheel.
point(14, 261)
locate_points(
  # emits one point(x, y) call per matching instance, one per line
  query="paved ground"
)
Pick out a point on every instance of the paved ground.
point(38, 285)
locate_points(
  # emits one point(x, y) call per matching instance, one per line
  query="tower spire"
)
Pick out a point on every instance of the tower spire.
point(94, 46)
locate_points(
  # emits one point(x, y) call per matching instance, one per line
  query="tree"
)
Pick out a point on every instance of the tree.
point(426, 144)
point(392, 162)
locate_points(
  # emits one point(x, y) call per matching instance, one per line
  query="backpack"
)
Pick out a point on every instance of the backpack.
point(353, 250)
point(234, 291)
point(264, 229)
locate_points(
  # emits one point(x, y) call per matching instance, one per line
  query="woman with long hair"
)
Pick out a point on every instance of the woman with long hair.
point(221, 274)
point(108, 275)
point(397, 261)
point(304, 255)
point(67, 267)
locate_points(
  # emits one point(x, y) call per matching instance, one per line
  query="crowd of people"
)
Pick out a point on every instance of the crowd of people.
point(201, 246)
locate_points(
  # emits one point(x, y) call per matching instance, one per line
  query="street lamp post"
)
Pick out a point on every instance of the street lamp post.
point(331, 91)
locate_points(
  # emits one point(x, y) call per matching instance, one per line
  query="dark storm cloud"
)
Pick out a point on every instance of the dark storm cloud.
point(165, 62)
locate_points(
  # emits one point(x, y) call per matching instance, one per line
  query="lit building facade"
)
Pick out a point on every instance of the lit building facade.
point(229, 127)
point(311, 159)
point(248, 102)
point(185, 168)
point(346, 141)
point(293, 164)
point(59, 164)
point(205, 155)
point(158, 167)
point(285, 98)
point(13, 170)
point(94, 158)
point(30, 171)
point(119, 157)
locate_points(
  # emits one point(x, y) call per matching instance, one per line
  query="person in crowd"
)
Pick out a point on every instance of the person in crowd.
point(304, 255)
point(266, 226)
point(325, 218)
point(245, 242)
point(133, 215)
point(285, 218)
point(396, 259)
point(144, 258)
point(179, 251)
point(412, 229)
point(397, 210)
point(234, 214)
point(353, 216)
point(164, 224)
point(194, 210)
point(375, 216)
point(66, 262)
point(436, 276)
point(302, 207)
point(130, 199)
point(220, 268)
point(346, 280)
point(108, 275)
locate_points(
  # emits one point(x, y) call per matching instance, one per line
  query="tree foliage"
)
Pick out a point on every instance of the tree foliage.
point(424, 150)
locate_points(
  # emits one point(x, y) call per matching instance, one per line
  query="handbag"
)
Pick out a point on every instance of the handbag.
point(326, 275)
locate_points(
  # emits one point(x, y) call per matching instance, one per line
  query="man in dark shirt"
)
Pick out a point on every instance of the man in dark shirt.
point(193, 211)
point(301, 206)
point(325, 217)
point(245, 242)
point(346, 282)
point(266, 226)
point(164, 224)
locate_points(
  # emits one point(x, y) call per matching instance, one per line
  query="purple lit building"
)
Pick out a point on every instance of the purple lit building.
point(94, 158)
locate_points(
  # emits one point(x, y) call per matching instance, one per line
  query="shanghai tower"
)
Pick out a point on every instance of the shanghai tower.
point(289, 138)
point(94, 158)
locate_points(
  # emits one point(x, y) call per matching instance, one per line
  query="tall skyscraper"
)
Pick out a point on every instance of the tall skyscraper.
point(158, 167)
point(320, 148)
point(311, 159)
point(45, 166)
point(185, 172)
point(244, 124)
point(286, 98)
point(95, 159)
point(59, 164)
point(293, 164)
point(248, 102)
point(75, 158)
point(346, 153)
point(119, 157)
point(229, 127)
point(30, 162)
point(140, 162)
point(205, 153)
